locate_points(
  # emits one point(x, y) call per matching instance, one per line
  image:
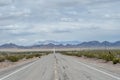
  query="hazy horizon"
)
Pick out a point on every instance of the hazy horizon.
point(46, 42)
point(26, 22)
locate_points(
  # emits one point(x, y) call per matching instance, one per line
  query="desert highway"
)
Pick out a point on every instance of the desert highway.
point(58, 67)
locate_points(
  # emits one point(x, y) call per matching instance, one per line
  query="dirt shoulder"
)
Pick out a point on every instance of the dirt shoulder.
point(101, 64)
point(7, 65)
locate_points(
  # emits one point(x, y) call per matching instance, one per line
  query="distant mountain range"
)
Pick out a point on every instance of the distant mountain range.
point(65, 44)
point(57, 42)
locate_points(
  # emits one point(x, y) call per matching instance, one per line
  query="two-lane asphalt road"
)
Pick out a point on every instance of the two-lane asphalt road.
point(58, 67)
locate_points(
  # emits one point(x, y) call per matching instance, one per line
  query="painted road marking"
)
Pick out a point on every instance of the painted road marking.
point(90, 67)
point(17, 71)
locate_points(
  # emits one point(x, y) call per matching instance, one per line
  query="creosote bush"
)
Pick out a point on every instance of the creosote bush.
point(112, 55)
point(13, 58)
point(16, 56)
point(116, 60)
point(2, 59)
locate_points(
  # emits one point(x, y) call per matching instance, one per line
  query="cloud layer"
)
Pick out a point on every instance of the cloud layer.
point(28, 21)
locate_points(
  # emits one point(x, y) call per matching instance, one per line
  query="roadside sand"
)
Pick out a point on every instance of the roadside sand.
point(7, 64)
point(115, 68)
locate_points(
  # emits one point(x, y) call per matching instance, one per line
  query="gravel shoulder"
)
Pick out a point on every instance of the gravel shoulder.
point(8, 67)
point(99, 63)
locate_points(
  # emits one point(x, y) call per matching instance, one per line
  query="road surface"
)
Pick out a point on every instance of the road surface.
point(58, 67)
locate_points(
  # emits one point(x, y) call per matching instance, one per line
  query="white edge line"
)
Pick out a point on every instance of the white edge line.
point(118, 78)
point(16, 71)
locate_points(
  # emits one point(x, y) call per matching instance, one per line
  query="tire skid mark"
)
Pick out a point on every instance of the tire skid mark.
point(62, 69)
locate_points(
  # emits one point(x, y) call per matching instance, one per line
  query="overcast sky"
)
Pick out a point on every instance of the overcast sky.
point(29, 21)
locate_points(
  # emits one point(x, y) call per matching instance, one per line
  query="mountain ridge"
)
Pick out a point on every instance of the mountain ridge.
point(76, 44)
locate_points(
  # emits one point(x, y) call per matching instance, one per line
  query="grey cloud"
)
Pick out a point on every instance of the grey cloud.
point(14, 15)
point(56, 19)
point(61, 31)
point(22, 34)
point(6, 29)
point(5, 2)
